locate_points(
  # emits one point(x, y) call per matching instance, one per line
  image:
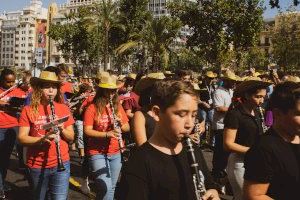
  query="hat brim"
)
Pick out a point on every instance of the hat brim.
point(248, 85)
point(108, 86)
point(213, 76)
point(144, 84)
point(35, 81)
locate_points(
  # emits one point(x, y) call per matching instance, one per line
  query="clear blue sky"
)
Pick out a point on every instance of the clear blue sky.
point(10, 5)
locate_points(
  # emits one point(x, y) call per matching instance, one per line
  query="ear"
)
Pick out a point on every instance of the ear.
point(156, 111)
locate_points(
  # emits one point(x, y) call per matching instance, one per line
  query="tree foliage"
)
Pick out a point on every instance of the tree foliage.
point(286, 41)
point(216, 25)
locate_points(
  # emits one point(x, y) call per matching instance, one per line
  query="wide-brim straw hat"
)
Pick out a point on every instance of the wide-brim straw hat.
point(210, 74)
point(168, 73)
point(131, 76)
point(290, 78)
point(250, 83)
point(229, 75)
point(45, 77)
point(148, 81)
point(108, 81)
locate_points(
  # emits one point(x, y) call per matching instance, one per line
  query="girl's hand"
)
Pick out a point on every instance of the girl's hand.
point(113, 134)
point(48, 138)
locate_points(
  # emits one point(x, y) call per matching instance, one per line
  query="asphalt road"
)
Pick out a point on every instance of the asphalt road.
point(20, 190)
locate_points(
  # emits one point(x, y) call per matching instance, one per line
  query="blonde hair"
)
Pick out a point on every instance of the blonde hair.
point(36, 98)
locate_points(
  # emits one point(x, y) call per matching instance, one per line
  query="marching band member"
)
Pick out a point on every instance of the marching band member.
point(42, 155)
point(242, 127)
point(159, 169)
point(8, 123)
point(102, 139)
point(272, 165)
point(143, 123)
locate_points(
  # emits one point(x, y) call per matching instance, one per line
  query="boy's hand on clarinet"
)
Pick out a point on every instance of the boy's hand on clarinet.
point(211, 194)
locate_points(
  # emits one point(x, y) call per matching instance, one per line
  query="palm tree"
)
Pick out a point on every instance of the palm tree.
point(156, 38)
point(103, 16)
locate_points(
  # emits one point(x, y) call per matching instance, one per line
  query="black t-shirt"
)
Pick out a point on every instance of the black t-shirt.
point(152, 175)
point(249, 127)
point(272, 160)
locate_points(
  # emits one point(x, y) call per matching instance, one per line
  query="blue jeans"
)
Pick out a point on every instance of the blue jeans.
point(7, 142)
point(50, 180)
point(106, 170)
point(79, 134)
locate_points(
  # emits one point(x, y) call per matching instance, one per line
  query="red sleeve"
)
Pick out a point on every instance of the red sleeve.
point(89, 115)
point(122, 115)
point(24, 119)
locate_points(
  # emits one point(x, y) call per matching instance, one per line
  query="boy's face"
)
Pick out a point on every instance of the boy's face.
point(178, 120)
point(291, 120)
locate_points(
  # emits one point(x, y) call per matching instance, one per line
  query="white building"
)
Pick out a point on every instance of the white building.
point(19, 35)
point(8, 35)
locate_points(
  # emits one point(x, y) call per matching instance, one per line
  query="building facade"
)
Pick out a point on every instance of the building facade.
point(19, 36)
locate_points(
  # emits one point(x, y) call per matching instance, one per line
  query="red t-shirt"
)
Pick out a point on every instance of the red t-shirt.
point(103, 124)
point(44, 156)
point(8, 120)
point(66, 87)
point(130, 101)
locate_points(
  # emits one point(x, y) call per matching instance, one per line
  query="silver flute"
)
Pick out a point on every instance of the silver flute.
point(199, 186)
point(262, 119)
point(60, 166)
point(117, 127)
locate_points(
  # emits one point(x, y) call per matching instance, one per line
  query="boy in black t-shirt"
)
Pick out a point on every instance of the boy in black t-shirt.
point(273, 164)
point(159, 169)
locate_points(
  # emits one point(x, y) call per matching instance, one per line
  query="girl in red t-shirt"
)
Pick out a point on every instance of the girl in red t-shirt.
point(102, 139)
point(41, 155)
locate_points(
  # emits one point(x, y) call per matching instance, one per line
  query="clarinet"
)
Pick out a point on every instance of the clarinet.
point(262, 119)
point(60, 166)
point(199, 186)
point(117, 127)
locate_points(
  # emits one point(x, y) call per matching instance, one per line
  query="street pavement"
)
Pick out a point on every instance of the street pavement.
point(16, 178)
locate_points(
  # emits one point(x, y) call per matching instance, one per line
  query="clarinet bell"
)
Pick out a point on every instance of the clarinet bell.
point(61, 167)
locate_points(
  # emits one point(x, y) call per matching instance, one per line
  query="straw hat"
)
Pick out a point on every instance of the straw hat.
point(131, 76)
point(229, 75)
point(168, 73)
point(290, 78)
point(196, 86)
point(45, 77)
point(148, 81)
point(250, 83)
point(102, 74)
point(210, 74)
point(108, 82)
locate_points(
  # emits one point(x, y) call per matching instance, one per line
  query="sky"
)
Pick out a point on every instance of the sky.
point(11, 5)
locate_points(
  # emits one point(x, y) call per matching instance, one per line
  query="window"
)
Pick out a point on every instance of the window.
point(11, 55)
point(267, 41)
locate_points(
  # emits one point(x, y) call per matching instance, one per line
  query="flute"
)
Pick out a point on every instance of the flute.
point(60, 166)
point(117, 127)
point(199, 186)
point(3, 94)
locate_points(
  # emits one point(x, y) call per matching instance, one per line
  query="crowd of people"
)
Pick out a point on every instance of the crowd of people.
point(142, 136)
